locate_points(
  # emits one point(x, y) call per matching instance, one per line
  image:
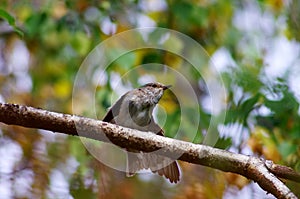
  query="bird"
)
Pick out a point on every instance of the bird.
point(134, 110)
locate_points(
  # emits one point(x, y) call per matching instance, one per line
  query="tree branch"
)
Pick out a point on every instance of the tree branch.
point(261, 171)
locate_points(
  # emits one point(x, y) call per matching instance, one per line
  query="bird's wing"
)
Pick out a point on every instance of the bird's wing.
point(155, 128)
point(113, 111)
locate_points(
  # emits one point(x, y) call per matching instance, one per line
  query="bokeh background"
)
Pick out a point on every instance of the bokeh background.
point(253, 44)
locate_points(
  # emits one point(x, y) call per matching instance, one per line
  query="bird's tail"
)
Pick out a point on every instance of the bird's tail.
point(164, 166)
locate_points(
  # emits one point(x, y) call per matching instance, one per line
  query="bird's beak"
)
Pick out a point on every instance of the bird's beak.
point(167, 87)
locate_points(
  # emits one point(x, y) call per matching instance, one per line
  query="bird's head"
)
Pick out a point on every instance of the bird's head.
point(154, 91)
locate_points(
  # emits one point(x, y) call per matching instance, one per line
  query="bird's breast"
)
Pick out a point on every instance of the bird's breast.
point(138, 119)
point(142, 115)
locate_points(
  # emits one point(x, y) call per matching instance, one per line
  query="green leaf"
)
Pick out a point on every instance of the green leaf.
point(241, 112)
point(223, 143)
point(248, 105)
point(35, 24)
point(286, 149)
point(287, 103)
point(11, 21)
point(5, 15)
point(126, 61)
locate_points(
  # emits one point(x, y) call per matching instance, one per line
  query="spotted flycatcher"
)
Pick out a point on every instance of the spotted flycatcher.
point(134, 110)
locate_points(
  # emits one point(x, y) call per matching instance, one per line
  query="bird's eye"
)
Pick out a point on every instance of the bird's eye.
point(154, 85)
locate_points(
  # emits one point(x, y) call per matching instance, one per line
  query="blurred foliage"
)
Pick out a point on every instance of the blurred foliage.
point(11, 21)
point(43, 44)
